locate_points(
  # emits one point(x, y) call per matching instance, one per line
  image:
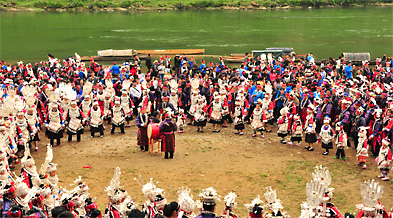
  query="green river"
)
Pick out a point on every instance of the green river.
point(325, 32)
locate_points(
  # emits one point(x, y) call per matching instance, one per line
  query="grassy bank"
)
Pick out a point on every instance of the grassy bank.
point(179, 4)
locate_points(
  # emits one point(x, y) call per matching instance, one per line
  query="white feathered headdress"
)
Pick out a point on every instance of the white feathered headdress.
point(174, 84)
point(273, 204)
point(230, 200)
point(256, 202)
point(208, 195)
point(114, 191)
point(126, 85)
point(268, 88)
point(186, 201)
point(87, 87)
point(81, 187)
point(67, 90)
point(29, 94)
point(149, 190)
point(48, 159)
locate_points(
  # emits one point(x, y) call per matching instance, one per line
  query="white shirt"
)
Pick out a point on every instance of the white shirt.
point(136, 92)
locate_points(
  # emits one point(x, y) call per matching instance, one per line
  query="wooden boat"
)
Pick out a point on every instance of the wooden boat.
point(171, 51)
point(112, 58)
point(365, 56)
point(111, 52)
point(234, 60)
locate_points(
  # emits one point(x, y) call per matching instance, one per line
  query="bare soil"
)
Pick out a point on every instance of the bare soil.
point(225, 161)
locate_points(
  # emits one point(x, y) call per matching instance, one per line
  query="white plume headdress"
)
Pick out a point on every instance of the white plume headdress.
point(273, 203)
point(126, 85)
point(29, 94)
point(230, 200)
point(149, 190)
point(268, 88)
point(114, 191)
point(185, 200)
point(87, 87)
point(81, 187)
point(67, 90)
point(173, 84)
point(48, 159)
point(207, 196)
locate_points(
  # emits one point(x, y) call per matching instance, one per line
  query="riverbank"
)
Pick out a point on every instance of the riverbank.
point(146, 5)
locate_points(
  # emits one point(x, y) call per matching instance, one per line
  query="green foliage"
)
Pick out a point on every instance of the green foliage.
point(75, 4)
point(237, 4)
point(179, 5)
point(48, 4)
point(207, 3)
point(125, 4)
point(102, 4)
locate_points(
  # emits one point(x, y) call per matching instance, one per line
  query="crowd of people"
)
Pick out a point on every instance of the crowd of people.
point(327, 104)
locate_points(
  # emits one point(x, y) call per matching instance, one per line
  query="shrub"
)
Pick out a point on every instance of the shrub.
point(179, 5)
point(39, 4)
point(125, 4)
point(75, 4)
point(102, 4)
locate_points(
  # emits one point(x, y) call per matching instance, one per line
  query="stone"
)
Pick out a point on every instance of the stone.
point(255, 4)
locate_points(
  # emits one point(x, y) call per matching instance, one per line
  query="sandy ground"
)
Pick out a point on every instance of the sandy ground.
point(223, 160)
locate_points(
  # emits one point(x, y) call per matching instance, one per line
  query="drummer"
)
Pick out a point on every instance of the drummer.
point(142, 121)
point(167, 128)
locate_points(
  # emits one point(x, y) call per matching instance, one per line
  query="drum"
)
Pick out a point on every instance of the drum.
point(153, 131)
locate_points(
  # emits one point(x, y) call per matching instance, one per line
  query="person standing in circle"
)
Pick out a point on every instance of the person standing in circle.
point(167, 128)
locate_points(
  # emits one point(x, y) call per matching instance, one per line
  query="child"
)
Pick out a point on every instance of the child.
point(239, 118)
point(297, 130)
point(216, 109)
point(362, 147)
point(310, 126)
point(268, 107)
point(283, 124)
point(326, 135)
point(258, 118)
point(341, 141)
point(181, 120)
point(199, 115)
point(33, 121)
point(384, 159)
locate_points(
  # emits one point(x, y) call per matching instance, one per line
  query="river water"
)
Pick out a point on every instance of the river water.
point(325, 32)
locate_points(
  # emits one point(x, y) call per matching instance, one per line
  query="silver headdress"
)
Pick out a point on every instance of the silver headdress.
point(149, 190)
point(29, 94)
point(48, 159)
point(114, 191)
point(185, 200)
point(371, 192)
point(317, 191)
point(230, 200)
point(273, 204)
point(208, 196)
